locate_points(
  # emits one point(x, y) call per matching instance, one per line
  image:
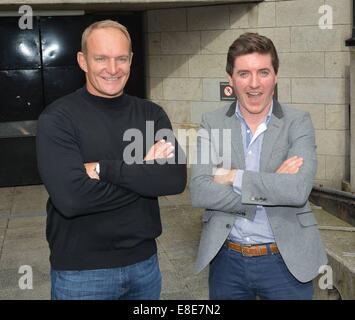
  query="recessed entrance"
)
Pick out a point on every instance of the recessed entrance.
point(38, 66)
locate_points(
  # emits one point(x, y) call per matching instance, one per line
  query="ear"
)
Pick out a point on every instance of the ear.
point(82, 61)
point(230, 80)
point(275, 83)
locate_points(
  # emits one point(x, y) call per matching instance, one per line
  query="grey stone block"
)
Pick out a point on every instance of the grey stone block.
point(294, 13)
point(319, 90)
point(200, 18)
point(167, 20)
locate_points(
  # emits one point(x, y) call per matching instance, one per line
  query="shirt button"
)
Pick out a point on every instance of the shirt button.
point(248, 131)
point(228, 226)
point(249, 152)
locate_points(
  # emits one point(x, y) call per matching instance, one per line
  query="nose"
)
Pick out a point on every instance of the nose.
point(111, 66)
point(254, 81)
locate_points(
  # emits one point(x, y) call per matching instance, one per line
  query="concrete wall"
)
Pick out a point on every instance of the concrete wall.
point(186, 54)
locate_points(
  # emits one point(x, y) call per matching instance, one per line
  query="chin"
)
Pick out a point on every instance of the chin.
point(254, 109)
point(112, 92)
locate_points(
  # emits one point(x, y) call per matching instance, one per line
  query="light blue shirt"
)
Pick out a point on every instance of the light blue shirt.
point(244, 230)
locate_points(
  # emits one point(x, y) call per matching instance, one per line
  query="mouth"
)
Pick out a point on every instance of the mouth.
point(254, 94)
point(110, 78)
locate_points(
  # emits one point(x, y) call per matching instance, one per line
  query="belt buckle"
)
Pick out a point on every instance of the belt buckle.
point(246, 246)
point(258, 252)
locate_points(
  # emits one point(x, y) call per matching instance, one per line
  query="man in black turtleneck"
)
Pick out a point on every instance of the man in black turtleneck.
point(102, 212)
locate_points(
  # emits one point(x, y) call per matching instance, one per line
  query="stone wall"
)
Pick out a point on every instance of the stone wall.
point(186, 55)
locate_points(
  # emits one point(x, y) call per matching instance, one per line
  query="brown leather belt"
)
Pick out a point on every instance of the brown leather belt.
point(253, 250)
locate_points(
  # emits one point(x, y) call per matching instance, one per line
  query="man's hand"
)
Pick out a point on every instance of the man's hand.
point(90, 170)
point(224, 176)
point(160, 150)
point(291, 165)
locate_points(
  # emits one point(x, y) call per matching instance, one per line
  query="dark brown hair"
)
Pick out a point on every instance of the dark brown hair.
point(249, 43)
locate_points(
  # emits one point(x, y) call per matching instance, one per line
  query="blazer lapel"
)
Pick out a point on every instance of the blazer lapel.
point(270, 135)
point(231, 122)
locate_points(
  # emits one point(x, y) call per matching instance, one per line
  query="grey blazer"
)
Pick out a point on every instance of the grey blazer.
point(285, 196)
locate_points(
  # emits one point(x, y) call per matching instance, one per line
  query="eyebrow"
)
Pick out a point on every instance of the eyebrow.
point(105, 56)
point(246, 70)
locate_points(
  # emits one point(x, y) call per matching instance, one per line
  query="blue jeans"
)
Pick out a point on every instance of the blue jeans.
point(139, 281)
point(236, 277)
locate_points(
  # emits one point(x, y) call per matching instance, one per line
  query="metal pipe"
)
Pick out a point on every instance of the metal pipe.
point(341, 194)
point(339, 203)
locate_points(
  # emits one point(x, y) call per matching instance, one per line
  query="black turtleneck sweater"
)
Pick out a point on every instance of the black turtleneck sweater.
point(111, 222)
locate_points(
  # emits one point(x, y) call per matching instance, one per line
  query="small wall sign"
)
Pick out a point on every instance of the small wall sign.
point(226, 91)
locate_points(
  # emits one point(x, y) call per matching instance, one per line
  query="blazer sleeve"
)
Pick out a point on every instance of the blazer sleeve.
point(273, 189)
point(154, 178)
point(205, 193)
point(62, 170)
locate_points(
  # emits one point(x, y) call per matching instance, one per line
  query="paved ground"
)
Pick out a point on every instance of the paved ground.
point(22, 242)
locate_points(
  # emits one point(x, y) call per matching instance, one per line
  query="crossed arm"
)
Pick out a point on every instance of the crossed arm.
point(151, 178)
point(60, 165)
point(290, 166)
point(71, 190)
point(289, 185)
point(160, 150)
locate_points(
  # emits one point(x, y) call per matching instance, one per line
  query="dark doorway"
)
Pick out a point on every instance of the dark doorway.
point(38, 66)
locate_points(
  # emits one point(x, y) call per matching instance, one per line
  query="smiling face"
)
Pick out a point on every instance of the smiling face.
point(107, 62)
point(253, 80)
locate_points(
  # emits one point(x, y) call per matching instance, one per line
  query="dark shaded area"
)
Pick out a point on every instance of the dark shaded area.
point(38, 66)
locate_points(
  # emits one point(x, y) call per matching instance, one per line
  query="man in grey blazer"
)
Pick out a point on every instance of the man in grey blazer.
point(254, 171)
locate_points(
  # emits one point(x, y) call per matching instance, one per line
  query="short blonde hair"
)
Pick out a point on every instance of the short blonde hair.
point(100, 25)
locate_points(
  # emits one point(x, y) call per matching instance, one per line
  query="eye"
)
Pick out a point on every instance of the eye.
point(122, 59)
point(243, 74)
point(264, 73)
point(100, 59)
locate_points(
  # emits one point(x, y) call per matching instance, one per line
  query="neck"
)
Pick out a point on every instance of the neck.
point(254, 120)
point(103, 102)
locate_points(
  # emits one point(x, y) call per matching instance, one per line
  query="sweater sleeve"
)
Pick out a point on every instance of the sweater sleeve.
point(62, 170)
point(157, 178)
